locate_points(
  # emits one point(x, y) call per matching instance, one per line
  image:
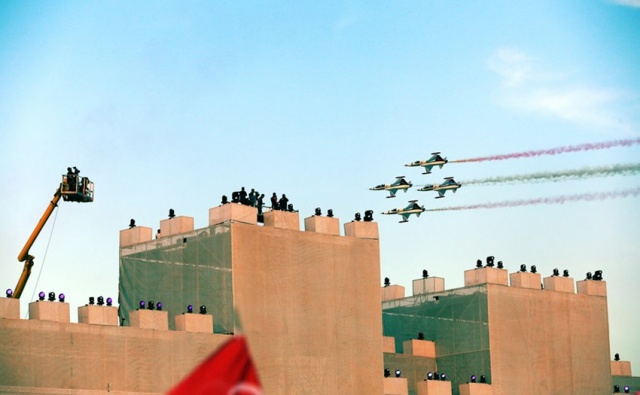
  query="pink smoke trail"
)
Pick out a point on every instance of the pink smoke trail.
point(554, 151)
point(585, 197)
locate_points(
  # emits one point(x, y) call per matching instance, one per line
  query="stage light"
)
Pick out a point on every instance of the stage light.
point(330, 213)
point(203, 309)
point(565, 273)
point(9, 292)
point(290, 207)
point(141, 304)
point(109, 301)
point(387, 282)
point(225, 199)
point(132, 223)
point(41, 295)
point(387, 372)
point(616, 389)
point(443, 376)
point(478, 263)
point(597, 275)
point(589, 276)
point(318, 211)
point(425, 274)
point(616, 357)
point(100, 301)
point(190, 309)
point(556, 272)
point(358, 217)
point(430, 376)
point(171, 213)
point(436, 376)
point(151, 305)
point(368, 216)
point(483, 378)
point(159, 306)
point(92, 300)
point(473, 378)
point(490, 261)
point(500, 266)
point(420, 336)
point(523, 268)
point(534, 269)
point(626, 389)
point(52, 296)
point(398, 373)
point(61, 297)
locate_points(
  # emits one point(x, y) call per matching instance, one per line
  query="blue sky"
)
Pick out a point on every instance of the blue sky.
point(173, 104)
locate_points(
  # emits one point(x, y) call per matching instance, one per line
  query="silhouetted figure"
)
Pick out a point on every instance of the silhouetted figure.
point(172, 213)
point(225, 200)
point(283, 202)
point(274, 201)
point(259, 203)
point(387, 282)
point(420, 336)
point(253, 195)
point(71, 179)
point(243, 196)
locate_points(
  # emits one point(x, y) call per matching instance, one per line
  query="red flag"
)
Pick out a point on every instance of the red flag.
point(228, 371)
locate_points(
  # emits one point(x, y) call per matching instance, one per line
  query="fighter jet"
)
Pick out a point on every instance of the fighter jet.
point(412, 208)
point(448, 184)
point(435, 160)
point(399, 184)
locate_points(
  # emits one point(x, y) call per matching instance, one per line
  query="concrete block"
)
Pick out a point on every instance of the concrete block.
point(10, 308)
point(233, 212)
point(592, 287)
point(475, 389)
point(320, 224)
point(282, 219)
point(175, 225)
point(49, 311)
point(389, 344)
point(621, 368)
point(428, 285)
point(361, 229)
point(149, 319)
point(526, 280)
point(419, 348)
point(392, 292)
point(135, 235)
point(559, 284)
point(98, 315)
point(395, 386)
point(202, 323)
point(433, 387)
point(486, 275)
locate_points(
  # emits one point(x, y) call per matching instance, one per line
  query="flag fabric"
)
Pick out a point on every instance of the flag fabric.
point(228, 371)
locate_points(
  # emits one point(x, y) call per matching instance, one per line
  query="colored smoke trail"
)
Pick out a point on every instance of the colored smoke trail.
point(585, 197)
point(554, 151)
point(565, 175)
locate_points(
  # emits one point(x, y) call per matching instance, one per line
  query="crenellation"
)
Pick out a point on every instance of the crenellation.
point(320, 224)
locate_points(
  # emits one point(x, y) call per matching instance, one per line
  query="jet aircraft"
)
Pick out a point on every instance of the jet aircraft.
point(412, 208)
point(448, 184)
point(435, 160)
point(399, 184)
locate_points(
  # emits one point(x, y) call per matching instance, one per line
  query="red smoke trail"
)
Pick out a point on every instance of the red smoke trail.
point(554, 151)
point(585, 197)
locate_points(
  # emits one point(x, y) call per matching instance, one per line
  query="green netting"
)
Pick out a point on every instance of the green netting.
point(189, 269)
point(457, 323)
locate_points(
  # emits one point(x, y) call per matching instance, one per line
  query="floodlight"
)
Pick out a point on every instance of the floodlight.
point(101, 301)
point(589, 276)
point(556, 272)
point(479, 263)
point(436, 376)
point(203, 309)
point(387, 372)
point(92, 300)
point(61, 297)
point(151, 305)
point(425, 274)
point(225, 199)
point(616, 389)
point(483, 378)
point(616, 357)
point(190, 309)
point(565, 273)
point(368, 216)
point(387, 282)
point(132, 223)
point(398, 373)
point(358, 217)
point(430, 376)
point(473, 378)
point(330, 213)
point(52, 296)
point(420, 336)
point(490, 261)
point(41, 295)
point(290, 207)
point(9, 292)
point(500, 266)
point(171, 213)
point(318, 211)
point(443, 376)
point(142, 304)
point(597, 275)
point(626, 389)
point(159, 306)
point(523, 268)
point(436, 298)
point(534, 269)
point(109, 301)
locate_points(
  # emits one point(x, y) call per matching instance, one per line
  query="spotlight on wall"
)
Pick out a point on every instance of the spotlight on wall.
point(425, 274)
point(132, 223)
point(430, 376)
point(9, 292)
point(41, 296)
point(141, 305)
point(171, 213)
point(478, 263)
point(387, 282)
point(626, 389)
point(616, 389)
point(225, 199)
point(357, 217)
point(589, 276)
point(318, 211)
point(420, 336)
point(290, 208)
point(473, 378)
point(330, 213)
point(490, 261)
point(92, 300)
point(190, 309)
point(109, 301)
point(565, 273)
point(151, 305)
point(387, 372)
point(159, 306)
point(597, 276)
point(436, 376)
point(61, 297)
point(100, 301)
point(203, 309)
point(534, 269)
point(523, 268)
point(52, 296)
point(398, 373)
point(443, 376)
point(483, 378)
point(368, 216)
point(500, 265)
point(616, 357)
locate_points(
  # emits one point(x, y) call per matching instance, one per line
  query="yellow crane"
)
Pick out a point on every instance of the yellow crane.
point(73, 188)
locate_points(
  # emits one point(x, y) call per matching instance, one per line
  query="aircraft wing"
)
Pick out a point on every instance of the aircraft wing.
point(442, 192)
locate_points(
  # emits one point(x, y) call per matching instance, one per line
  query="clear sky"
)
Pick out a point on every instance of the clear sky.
point(173, 104)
